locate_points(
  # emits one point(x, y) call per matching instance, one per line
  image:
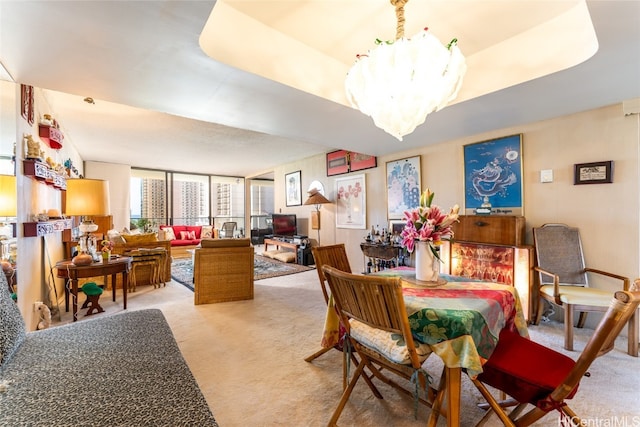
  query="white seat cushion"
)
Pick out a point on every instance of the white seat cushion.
point(579, 295)
point(386, 343)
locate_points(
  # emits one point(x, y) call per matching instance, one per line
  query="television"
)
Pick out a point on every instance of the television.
point(284, 225)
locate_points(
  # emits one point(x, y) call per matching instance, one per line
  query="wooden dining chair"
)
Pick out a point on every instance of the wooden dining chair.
point(533, 374)
point(334, 256)
point(564, 277)
point(375, 318)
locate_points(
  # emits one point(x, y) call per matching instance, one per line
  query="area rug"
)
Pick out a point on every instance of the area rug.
point(263, 268)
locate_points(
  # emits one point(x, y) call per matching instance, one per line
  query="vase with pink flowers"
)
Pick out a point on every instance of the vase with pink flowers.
point(426, 227)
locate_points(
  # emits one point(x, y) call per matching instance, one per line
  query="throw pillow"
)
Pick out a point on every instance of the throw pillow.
point(225, 243)
point(207, 232)
point(12, 328)
point(285, 256)
point(140, 238)
point(187, 235)
point(169, 234)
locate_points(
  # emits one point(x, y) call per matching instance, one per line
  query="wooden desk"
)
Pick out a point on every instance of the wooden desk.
point(278, 243)
point(68, 270)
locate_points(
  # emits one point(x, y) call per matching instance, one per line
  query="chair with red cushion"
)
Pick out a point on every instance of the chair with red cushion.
point(533, 374)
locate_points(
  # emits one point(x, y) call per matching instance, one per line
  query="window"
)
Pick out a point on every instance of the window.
point(164, 197)
point(148, 198)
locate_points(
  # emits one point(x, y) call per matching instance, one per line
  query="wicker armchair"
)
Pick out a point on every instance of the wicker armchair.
point(223, 271)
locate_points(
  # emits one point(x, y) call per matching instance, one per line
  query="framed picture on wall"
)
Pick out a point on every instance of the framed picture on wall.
point(293, 188)
point(493, 176)
point(337, 162)
point(351, 202)
point(403, 186)
point(359, 161)
point(593, 173)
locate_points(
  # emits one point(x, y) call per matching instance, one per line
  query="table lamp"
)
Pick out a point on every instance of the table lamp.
point(8, 207)
point(84, 198)
point(316, 198)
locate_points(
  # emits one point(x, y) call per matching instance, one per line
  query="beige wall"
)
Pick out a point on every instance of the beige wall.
point(37, 255)
point(606, 214)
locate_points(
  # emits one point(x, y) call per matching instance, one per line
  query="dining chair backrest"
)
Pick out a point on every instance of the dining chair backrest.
point(376, 301)
point(559, 250)
point(228, 228)
point(331, 255)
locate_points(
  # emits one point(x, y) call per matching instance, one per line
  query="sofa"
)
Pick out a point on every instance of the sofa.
point(185, 237)
point(223, 271)
point(119, 370)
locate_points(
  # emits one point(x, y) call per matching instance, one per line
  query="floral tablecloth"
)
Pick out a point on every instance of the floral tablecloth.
point(460, 320)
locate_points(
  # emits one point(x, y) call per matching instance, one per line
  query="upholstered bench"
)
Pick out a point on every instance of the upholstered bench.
point(138, 376)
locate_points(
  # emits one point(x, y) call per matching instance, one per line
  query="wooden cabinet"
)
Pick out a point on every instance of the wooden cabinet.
point(494, 229)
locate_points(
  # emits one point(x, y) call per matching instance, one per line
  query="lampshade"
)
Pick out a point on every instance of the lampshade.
point(316, 198)
point(400, 82)
point(86, 197)
point(8, 196)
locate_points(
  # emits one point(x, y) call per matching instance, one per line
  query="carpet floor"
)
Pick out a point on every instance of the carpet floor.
point(248, 358)
point(263, 268)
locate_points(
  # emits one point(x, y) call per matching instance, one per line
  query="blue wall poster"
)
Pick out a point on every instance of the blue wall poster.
point(493, 176)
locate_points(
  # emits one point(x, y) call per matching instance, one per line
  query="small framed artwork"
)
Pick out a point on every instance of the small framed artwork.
point(396, 226)
point(593, 173)
point(351, 202)
point(493, 176)
point(293, 188)
point(403, 186)
point(358, 161)
point(26, 101)
point(337, 162)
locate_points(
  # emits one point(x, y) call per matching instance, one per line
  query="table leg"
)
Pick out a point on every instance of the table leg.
point(66, 296)
point(125, 278)
point(74, 296)
point(454, 379)
point(113, 286)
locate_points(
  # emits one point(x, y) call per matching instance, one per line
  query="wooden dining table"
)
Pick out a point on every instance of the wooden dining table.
point(459, 319)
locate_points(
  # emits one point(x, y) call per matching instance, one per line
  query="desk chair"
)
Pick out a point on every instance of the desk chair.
point(563, 277)
point(533, 374)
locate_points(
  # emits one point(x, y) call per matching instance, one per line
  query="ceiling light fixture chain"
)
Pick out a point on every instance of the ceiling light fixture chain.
point(399, 5)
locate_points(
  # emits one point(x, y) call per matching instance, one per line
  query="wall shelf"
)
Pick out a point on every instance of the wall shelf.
point(37, 229)
point(42, 172)
point(51, 136)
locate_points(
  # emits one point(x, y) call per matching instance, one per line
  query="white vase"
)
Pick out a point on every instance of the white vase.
point(427, 265)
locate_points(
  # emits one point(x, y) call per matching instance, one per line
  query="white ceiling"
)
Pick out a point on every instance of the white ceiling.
point(161, 102)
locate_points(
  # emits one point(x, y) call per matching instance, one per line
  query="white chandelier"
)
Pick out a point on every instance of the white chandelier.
point(399, 82)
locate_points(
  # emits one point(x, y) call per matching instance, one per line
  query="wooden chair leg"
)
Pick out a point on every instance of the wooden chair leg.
point(582, 318)
point(317, 354)
point(345, 396)
point(568, 327)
